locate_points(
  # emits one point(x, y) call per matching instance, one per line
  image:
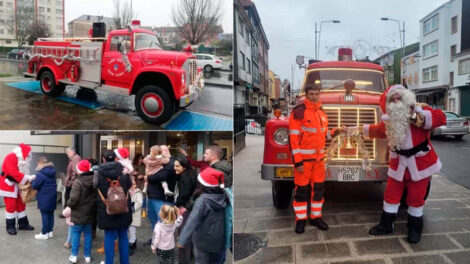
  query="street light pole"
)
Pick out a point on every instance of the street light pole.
point(316, 54)
point(402, 40)
point(317, 44)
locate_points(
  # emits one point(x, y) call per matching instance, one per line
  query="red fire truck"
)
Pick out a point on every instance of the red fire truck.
point(129, 61)
point(344, 106)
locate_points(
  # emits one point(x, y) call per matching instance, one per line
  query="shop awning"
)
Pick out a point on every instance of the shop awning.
point(432, 90)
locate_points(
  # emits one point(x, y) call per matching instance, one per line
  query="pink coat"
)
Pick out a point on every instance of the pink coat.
point(424, 163)
point(164, 235)
point(153, 164)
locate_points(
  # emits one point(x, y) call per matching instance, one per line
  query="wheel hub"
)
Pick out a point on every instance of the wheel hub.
point(151, 105)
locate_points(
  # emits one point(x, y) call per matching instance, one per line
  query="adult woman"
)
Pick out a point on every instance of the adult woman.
point(186, 184)
point(139, 173)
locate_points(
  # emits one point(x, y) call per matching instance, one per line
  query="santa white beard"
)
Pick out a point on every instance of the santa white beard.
point(24, 165)
point(399, 119)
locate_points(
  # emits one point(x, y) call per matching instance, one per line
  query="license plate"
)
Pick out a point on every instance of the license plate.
point(348, 174)
point(454, 124)
point(284, 172)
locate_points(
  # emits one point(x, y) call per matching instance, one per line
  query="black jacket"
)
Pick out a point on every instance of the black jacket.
point(226, 168)
point(82, 200)
point(186, 185)
point(155, 189)
point(112, 171)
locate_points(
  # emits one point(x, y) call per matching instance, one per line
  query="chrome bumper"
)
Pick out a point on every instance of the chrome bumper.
point(194, 90)
point(444, 130)
point(378, 173)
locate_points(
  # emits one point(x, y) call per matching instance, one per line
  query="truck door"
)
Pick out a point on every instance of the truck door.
point(117, 59)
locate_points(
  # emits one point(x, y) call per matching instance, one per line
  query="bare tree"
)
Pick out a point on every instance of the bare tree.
point(39, 29)
point(197, 20)
point(20, 22)
point(123, 13)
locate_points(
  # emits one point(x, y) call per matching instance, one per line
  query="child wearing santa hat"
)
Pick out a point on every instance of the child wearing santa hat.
point(122, 155)
point(206, 222)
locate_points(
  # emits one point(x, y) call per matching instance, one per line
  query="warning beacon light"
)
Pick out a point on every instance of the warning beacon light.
point(345, 54)
point(135, 24)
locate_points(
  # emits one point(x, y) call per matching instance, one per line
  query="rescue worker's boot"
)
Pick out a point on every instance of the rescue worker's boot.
point(300, 226)
point(11, 229)
point(23, 224)
point(415, 228)
point(319, 223)
point(385, 226)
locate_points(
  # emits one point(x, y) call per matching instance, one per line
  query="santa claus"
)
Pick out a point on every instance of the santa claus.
point(14, 166)
point(413, 160)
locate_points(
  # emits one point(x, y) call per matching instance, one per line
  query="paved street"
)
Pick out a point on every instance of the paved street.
point(215, 100)
point(350, 210)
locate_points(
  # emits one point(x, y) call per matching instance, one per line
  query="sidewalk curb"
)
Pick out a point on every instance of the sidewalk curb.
point(219, 84)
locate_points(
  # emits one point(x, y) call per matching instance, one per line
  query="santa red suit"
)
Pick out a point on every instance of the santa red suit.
point(11, 175)
point(412, 157)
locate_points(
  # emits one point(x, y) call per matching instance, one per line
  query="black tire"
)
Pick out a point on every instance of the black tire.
point(458, 137)
point(48, 86)
point(158, 95)
point(282, 193)
point(208, 68)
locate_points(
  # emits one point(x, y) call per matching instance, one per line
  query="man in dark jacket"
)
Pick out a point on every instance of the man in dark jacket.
point(114, 226)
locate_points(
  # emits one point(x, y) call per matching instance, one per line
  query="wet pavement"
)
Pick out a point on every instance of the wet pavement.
point(350, 210)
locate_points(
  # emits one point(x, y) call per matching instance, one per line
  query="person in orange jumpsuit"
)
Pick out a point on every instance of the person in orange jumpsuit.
point(308, 128)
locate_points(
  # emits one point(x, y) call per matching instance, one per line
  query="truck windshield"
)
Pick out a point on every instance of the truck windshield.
point(146, 41)
point(333, 79)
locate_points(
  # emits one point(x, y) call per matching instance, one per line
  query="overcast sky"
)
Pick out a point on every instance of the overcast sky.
point(290, 27)
point(149, 12)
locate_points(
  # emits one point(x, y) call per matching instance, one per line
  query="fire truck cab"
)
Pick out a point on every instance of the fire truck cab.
point(344, 106)
point(129, 61)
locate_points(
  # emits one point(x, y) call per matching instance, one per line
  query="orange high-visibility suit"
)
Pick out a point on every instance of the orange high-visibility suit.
point(308, 128)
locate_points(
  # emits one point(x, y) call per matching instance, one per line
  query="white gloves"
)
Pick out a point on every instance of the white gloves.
point(31, 177)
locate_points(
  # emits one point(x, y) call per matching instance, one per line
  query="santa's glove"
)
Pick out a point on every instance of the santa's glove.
point(31, 177)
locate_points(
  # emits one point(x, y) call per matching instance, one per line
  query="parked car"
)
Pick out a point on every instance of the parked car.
point(17, 54)
point(208, 62)
point(456, 126)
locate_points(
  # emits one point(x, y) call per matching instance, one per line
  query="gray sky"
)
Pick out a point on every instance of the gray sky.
point(149, 12)
point(290, 27)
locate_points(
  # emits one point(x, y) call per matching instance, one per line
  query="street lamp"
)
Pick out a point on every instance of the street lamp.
point(317, 44)
point(402, 39)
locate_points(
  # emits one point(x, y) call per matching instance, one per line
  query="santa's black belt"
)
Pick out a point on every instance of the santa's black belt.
point(412, 151)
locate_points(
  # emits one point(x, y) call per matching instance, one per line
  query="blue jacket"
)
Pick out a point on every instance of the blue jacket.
point(46, 185)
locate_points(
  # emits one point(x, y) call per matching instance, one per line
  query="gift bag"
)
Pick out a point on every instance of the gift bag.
point(27, 192)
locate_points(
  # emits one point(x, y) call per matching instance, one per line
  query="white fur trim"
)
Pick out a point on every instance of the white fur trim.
point(10, 215)
point(395, 87)
point(24, 180)
point(365, 130)
point(222, 186)
point(117, 154)
point(201, 180)
point(13, 194)
point(18, 153)
point(415, 211)
point(427, 119)
point(8, 182)
point(21, 214)
point(418, 109)
point(391, 208)
point(79, 171)
point(385, 117)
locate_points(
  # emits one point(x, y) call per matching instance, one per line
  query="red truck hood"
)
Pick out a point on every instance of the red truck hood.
point(164, 57)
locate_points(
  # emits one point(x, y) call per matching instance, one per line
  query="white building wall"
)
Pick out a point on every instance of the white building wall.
point(411, 69)
point(242, 46)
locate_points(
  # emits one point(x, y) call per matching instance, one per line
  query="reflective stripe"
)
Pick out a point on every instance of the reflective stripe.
point(315, 213)
point(316, 205)
point(300, 208)
point(309, 129)
point(308, 151)
point(294, 132)
point(295, 151)
point(300, 216)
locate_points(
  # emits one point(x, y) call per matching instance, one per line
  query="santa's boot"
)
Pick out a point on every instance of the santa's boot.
point(415, 228)
point(385, 226)
point(300, 226)
point(23, 224)
point(11, 229)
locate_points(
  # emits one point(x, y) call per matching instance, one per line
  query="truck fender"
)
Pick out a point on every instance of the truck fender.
point(55, 71)
point(163, 76)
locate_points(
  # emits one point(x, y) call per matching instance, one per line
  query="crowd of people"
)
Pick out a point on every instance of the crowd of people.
point(188, 203)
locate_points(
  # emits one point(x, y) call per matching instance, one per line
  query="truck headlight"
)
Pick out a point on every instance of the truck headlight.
point(281, 136)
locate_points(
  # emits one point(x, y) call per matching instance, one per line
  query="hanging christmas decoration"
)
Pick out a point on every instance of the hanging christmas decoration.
point(352, 138)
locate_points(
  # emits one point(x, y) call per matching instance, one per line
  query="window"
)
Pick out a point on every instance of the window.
point(2, 22)
point(10, 32)
point(464, 66)
point(453, 51)
point(247, 35)
point(58, 20)
point(48, 10)
point(8, 41)
point(1, 3)
point(430, 49)
point(42, 9)
point(9, 5)
point(49, 1)
point(117, 41)
point(453, 25)
point(451, 79)
point(58, 11)
point(42, 2)
point(2, 31)
point(242, 60)
point(48, 18)
point(240, 26)
point(431, 24)
point(248, 63)
point(58, 3)
point(59, 27)
point(416, 78)
point(430, 74)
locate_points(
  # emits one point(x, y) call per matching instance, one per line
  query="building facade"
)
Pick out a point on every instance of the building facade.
point(80, 26)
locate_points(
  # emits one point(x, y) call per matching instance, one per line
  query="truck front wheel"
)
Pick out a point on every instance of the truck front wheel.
point(154, 105)
point(282, 193)
point(48, 85)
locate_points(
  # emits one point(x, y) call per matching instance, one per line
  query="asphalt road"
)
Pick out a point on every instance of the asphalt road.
point(214, 100)
point(455, 158)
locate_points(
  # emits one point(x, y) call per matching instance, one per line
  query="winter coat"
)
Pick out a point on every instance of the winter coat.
point(71, 173)
point(155, 189)
point(82, 200)
point(221, 165)
point(137, 200)
point(164, 234)
point(152, 165)
point(112, 171)
point(46, 185)
point(128, 168)
point(206, 223)
point(229, 218)
point(140, 169)
point(187, 182)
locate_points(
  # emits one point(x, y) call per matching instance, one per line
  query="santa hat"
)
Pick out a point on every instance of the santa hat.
point(83, 166)
point(22, 151)
point(210, 177)
point(385, 95)
point(122, 153)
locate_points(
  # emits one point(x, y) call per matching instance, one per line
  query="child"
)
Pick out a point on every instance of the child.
point(122, 155)
point(46, 185)
point(82, 202)
point(137, 200)
point(163, 240)
point(153, 163)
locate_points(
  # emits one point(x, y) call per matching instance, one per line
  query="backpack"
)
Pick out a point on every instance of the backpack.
point(116, 201)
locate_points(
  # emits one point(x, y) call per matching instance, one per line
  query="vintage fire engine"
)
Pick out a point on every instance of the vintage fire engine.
point(344, 106)
point(129, 61)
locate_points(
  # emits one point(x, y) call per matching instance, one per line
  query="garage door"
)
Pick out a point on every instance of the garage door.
point(465, 101)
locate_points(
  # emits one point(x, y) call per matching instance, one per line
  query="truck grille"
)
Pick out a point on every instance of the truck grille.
point(192, 70)
point(351, 116)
